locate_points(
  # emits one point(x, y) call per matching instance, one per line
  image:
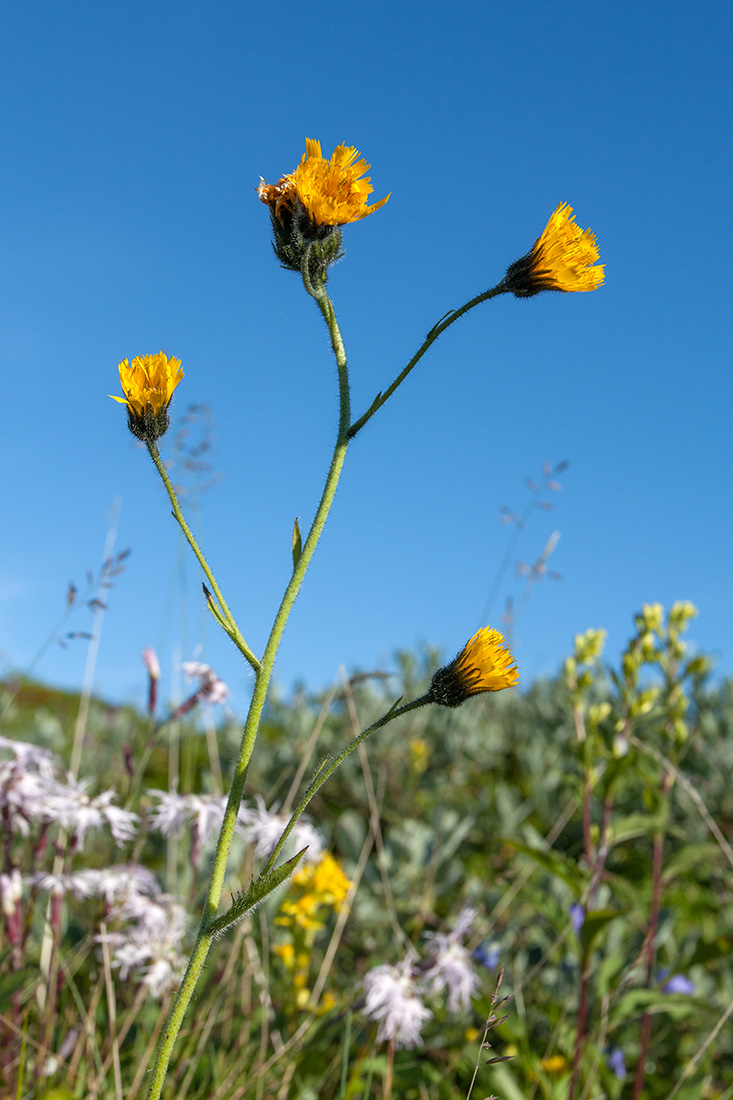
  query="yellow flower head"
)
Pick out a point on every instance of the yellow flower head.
point(148, 384)
point(484, 664)
point(325, 879)
point(330, 191)
point(555, 1065)
point(312, 887)
point(562, 259)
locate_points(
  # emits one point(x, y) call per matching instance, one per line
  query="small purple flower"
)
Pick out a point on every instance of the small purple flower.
point(678, 983)
point(486, 956)
point(616, 1062)
point(577, 917)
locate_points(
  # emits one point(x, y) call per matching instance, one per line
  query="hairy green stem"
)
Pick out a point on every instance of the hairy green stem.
point(263, 673)
point(437, 330)
point(230, 625)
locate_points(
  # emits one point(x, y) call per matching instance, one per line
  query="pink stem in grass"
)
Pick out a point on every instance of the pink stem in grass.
point(598, 867)
point(390, 1071)
point(650, 950)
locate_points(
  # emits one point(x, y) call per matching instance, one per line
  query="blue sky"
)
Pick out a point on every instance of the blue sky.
point(134, 138)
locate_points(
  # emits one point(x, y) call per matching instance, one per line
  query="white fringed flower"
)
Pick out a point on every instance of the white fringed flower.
point(175, 811)
point(211, 690)
point(150, 947)
point(76, 811)
point(27, 780)
point(450, 963)
point(393, 1001)
point(263, 828)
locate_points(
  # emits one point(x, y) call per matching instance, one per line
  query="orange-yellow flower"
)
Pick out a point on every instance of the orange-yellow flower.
point(148, 384)
point(563, 258)
point(484, 664)
point(332, 192)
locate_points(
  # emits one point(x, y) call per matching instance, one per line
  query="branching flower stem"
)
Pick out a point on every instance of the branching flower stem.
point(227, 622)
point(432, 336)
point(263, 669)
point(263, 673)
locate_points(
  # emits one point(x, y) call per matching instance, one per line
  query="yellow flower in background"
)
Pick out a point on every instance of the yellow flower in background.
point(563, 258)
point(313, 887)
point(418, 755)
point(332, 192)
point(555, 1065)
point(148, 384)
point(324, 880)
point(484, 664)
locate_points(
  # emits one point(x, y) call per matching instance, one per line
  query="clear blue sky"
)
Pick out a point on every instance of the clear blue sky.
point(134, 136)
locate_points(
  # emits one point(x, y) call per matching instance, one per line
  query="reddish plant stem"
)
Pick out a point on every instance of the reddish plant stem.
point(650, 950)
point(587, 841)
point(389, 1076)
point(598, 866)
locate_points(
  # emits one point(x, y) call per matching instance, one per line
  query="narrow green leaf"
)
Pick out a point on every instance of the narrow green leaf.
point(637, 1001)
point(297, 543)
point(693, 857)
point(594, 923)
point(638, 825)
point(259, 889)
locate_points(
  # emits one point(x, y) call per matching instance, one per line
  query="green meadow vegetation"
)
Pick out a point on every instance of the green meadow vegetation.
point(578, 831)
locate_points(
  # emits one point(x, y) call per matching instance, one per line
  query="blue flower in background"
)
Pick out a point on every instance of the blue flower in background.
point(486, 956)
point(577, 917)
point(678, 983)
point(616, 1062)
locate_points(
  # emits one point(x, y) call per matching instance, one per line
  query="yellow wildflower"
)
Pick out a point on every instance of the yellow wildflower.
point(148, 384)
point(325, 879)
point(555, 1064)
point(563, 258)
point(484, 664)
point(330, 191)
point(419, 754)
point(285, 952)
point(312, 887)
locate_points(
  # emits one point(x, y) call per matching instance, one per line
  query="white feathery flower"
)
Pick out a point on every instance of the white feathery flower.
point(171, 813)
point(27, 780)
point(451, 970)
point(209, 813)
point(150, 947)
point(75, 810)
point(80, 884)
point(31, 757)
point(464, 922)
point(124, 881)
point(114, 884)
point(263, 828)
point(174, 811)
point(211, 689)
point(450, 963)
point(393, 1001)
point(305, 835)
